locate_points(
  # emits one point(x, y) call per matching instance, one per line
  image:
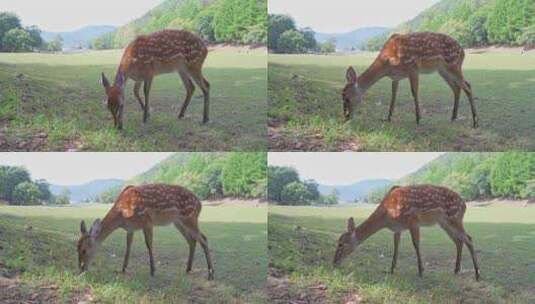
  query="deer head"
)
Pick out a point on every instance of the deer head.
point(87, 244)
point(351, 94)
point(347, 243)
point(115, 98)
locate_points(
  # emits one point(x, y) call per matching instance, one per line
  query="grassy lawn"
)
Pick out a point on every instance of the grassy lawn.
point(54, 102)
point(305, 107)
point(45, 256)
point(504, 239)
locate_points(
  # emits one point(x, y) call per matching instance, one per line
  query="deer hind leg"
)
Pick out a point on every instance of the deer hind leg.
point(413, 78)
point(415, 235)
point(190, 89)
point(395, 86)
point(192, 227)
point(458, 244)
point(196, 74)
point(137, 87)
point(129, 239)
point(467, 239)
point(456, 93)
point(147, 231)
point(191, 242)
point(397, 237)
point(457, 76)
point(146, 90)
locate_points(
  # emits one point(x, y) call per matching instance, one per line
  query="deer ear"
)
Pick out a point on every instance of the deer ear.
point(83, 229)
point(119, 80)
point(350, 225)
point(351, 75)
point(104, 81)
point(95, 229)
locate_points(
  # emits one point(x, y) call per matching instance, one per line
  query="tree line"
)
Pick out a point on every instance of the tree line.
point(284, 37)
point(477, 175)
point(17, 188)
point(16, 38)
point(209, 176)
point(286, 188)
point(475, 23)
point(219, 21)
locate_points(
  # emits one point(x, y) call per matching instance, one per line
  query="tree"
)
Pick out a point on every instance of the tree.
point(35, 36)
point(64, 198)
point(295, 194)
point(312, 188)
point(8, 21)
point(26, 193)
point(17, 40)
point(292, 42)
point(278, 24)
point(328, 46)
point(55, 45)
point(310, 38)
point(10, 177)
point(278, 178)
point(44, 189)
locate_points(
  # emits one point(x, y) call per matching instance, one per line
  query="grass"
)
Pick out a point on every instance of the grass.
point(306, 107)
point(46, 254)
point(54, 102)
point(504, 239)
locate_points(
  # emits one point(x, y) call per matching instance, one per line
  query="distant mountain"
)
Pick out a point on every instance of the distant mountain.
point(80, 37)
point(360, 190)
point(352, 40)
point(87, 191)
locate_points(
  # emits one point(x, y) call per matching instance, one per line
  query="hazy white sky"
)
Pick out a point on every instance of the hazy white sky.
point(347, 168)
point(337, 16)
point(78, 168)
point(66, 15)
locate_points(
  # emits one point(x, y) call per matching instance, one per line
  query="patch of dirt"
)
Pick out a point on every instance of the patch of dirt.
point(280, 290)
point(235, 202)
point(33, 142)
point(13, 291)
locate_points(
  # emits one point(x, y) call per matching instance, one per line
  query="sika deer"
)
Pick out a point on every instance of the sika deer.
point(161, 52)
point(409, 208)
point(409, 55)
point(143, 207)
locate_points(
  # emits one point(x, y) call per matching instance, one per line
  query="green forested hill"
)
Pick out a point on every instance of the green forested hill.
point(477, 175)
point(229, 21)
point(475, 22)
point(208, 175)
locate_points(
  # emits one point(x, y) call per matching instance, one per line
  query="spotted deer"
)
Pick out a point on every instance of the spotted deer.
point(407, 56)
point(409, 208)
point(162, 52)
point(142, 208)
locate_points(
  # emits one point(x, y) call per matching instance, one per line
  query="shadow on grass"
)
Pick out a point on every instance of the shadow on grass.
point(66, 103)
point(506, 252)
point(308, 96)
point(47, 253)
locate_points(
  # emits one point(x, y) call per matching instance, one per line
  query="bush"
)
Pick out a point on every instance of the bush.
point(296, 194)
point(26, 193)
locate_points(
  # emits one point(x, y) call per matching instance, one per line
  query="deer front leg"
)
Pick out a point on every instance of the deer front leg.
point(129, 239)
point(413, 78)
point(415, 235)
point(146, 89)
point(395, 85)
point(397, 236)
point(148, 241)
point(137, 87)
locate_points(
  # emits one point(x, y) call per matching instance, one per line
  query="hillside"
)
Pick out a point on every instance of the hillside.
point(87, 191)
point(356, 191)
point(477, 175)
point(79, 38)
point(474, 23)
point(216, 21)
point(208, 175)
point(351, 40)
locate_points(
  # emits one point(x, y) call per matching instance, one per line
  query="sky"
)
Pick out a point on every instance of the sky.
point(79, 168)
point(347, 168)
point(339, 16)
point(68, 15)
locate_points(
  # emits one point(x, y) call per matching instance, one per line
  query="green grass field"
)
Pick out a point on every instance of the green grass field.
point(305, 107)
point(46, 256)
point(54, 102)
point(504, 239)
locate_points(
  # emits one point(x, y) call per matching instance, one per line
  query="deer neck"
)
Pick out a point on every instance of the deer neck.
point(373, 74)
point(371, 225)
point(110, 223)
